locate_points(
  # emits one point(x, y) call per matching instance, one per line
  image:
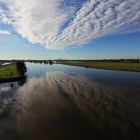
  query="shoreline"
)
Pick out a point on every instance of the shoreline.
point(118, 66)
point(12, 71)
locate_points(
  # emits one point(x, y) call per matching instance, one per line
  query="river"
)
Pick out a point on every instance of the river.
point(59, 102)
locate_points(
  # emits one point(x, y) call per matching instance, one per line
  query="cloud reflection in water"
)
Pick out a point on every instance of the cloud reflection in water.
point(64, 106)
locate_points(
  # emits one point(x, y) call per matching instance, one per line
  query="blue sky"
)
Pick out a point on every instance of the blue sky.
point(82, 29)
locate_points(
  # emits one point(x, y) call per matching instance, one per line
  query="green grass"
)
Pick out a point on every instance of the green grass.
point(122, 66)
point(9, 72)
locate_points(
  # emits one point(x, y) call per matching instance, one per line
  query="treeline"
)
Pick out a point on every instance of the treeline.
point(121, 60)
point(31, 61)
point(106, 60)
point(70, 60)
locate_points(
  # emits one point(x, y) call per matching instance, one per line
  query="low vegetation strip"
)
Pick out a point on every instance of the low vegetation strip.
point(9, 71)
point(106, 65)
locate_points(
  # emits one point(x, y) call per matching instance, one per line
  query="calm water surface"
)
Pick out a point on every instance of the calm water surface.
point(70, 103)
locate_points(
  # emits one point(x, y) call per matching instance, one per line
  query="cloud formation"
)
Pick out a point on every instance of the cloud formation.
point(4, 32)
point(62, 23)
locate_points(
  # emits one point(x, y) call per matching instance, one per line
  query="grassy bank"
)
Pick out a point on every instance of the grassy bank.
point(122, 66)
point(9, 72)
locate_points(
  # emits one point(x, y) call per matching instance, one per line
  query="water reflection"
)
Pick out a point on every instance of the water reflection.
point(8, 96)
point(8, 87)
point(64, 106)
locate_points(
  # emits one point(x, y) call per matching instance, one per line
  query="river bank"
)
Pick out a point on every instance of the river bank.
point(121, 66)
point(11, 71)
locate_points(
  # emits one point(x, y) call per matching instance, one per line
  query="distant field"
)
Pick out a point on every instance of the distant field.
point(9, 71)
point(106, 65)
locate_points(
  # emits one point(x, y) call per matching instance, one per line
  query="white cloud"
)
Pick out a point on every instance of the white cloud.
point(4, 32)
point(3, 17)
point(41, 21)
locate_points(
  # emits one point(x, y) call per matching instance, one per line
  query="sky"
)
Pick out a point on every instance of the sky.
point(76, 29)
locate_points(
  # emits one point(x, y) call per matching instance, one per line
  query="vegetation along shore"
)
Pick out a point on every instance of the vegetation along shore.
point(104, 64)
point(12, 71)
